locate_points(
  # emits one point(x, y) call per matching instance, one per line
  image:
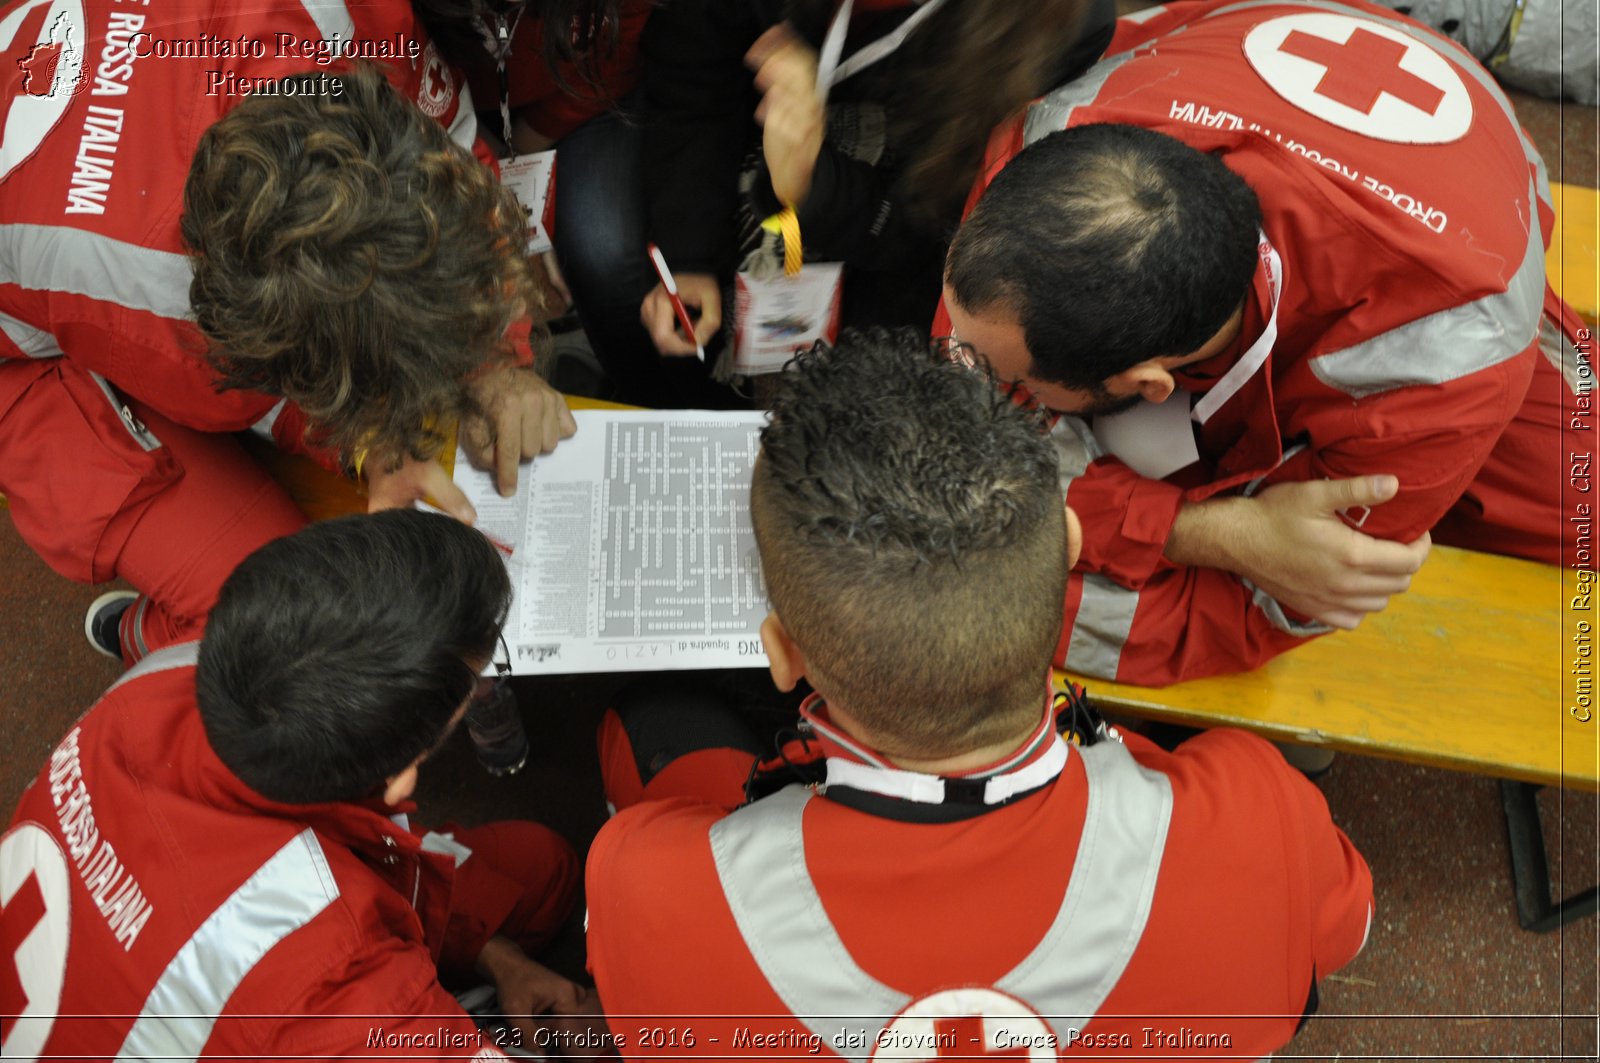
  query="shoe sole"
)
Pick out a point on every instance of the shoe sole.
point(94, 610)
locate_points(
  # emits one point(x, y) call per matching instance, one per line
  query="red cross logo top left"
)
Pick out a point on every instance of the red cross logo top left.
point(437, 90)
point(1369, 77)
point(42, 51)
point(35, 924)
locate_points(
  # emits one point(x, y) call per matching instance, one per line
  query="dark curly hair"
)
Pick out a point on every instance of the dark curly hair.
point(350, 256)
point(913, 539)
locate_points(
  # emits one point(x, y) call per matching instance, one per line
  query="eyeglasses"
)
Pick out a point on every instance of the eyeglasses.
point(502, 664)
point(964, 354)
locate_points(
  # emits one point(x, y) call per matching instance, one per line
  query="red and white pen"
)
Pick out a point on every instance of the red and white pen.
point(671, 286)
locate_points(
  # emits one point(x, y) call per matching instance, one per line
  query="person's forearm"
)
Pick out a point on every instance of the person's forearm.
point(1210, 534)
point(498, 957)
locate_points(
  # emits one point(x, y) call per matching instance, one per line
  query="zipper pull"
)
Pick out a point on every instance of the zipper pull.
point(135, 425)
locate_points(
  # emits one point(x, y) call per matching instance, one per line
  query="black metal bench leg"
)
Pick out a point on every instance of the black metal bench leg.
point(1530, 864)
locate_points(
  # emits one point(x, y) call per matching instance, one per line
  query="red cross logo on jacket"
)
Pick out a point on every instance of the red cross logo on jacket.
point(1384, 80)
point(1362, 69)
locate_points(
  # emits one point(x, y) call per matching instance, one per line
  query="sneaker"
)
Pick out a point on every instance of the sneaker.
point(104, 620)
point(1312, 761)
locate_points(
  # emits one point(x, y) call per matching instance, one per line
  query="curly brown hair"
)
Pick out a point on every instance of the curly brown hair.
point(349, 256)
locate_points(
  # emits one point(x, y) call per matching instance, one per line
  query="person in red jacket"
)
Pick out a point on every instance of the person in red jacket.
point(1283, 266)
point(954, 878)
point(217, 862)
point(561, 74)
point(210, 222)
point(875, 177)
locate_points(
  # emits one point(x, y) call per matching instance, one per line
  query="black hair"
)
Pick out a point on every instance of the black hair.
point(337, 656)
point(913, 539)
point(1111, 245)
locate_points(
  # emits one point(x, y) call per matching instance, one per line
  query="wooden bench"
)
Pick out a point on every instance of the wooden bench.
point(1472, 669)
point(1573, 261)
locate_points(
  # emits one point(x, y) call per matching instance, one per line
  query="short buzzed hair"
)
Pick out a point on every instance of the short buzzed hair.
point(913, 538)
point(1111, 245)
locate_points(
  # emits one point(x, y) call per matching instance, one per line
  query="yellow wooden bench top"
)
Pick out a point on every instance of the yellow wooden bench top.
point(1470, 669)
point(1573, 261)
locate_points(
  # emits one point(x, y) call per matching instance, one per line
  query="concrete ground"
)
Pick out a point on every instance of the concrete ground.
point(1447, 973)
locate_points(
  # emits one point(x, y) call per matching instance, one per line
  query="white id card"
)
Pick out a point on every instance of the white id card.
point(528, 177)
point(774, 318)
point(1154, 439)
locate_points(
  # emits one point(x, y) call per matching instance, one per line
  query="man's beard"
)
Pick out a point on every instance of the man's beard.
point(1104, 404)
point(1100, 403)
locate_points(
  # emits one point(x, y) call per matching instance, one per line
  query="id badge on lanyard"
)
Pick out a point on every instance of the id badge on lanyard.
point(530, 177)
point(777, 313)
point(775, 317)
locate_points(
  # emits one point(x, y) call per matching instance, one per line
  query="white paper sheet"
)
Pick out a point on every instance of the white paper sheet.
point(1154, 439)
point(631, 547)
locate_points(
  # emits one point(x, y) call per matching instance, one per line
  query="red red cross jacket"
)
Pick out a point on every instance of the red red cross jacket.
point(1410, 216)
point(815, 924)
point(535, 90)
point(97, 148)
point(162, 908)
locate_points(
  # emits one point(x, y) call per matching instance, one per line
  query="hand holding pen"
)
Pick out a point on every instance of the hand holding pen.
point(668, 305)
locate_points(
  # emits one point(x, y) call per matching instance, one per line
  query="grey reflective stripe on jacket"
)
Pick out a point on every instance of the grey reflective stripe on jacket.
point(269, 420)
point(1449, 344)
point(1051, 114)
point(59, 258)
point(181, 655)
point(1101, 626)
point(285, 894)
point(1105, 615)
point(32, 342)
point(759, 853)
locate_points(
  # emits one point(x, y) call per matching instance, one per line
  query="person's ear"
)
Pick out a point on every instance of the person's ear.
point(785, 659)
point(400, 787)
point(1150, 380)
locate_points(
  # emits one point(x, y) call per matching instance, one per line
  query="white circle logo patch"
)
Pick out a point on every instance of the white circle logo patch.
point(968, 1023)
point(35, 926)
point(1364, 76)
point(42, 46)
point(436, 91)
